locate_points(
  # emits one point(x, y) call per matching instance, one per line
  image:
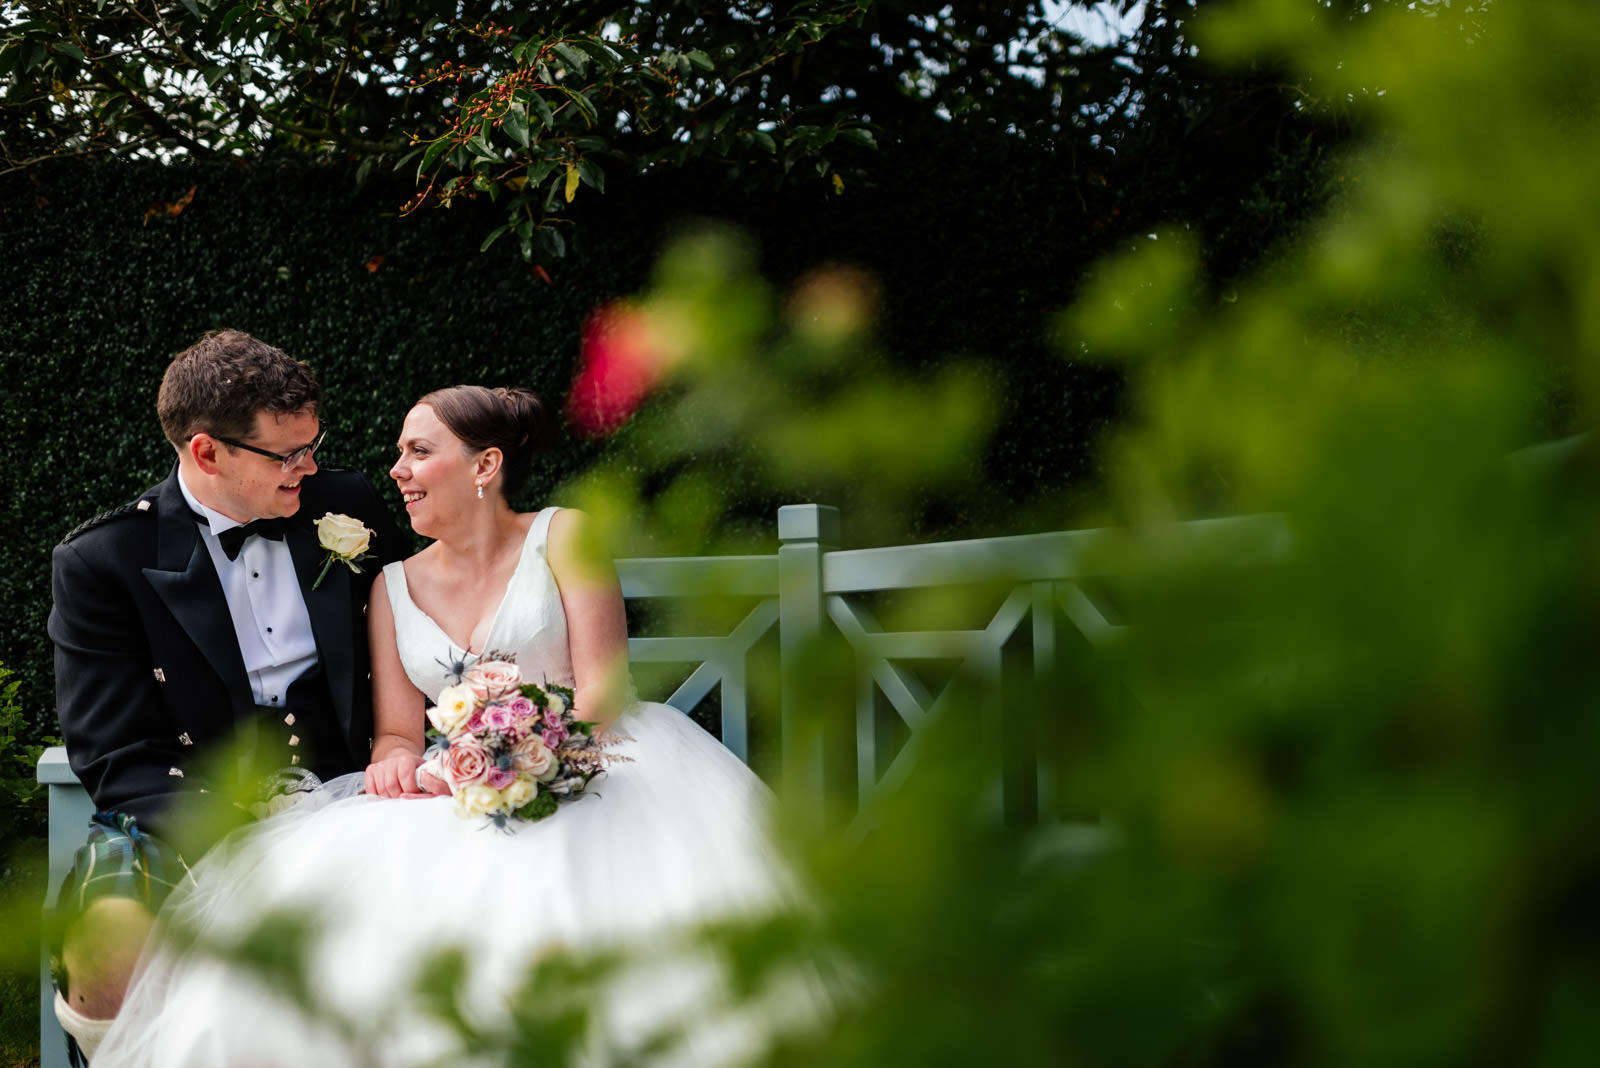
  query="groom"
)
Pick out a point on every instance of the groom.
point(193, 619)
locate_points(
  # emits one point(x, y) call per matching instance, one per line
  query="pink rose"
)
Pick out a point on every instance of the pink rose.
point(499, 777)
point(491, 680)
point(474, 723)
point(554, 737)
point(499, 718)
point(525, 714)
point(466, 763)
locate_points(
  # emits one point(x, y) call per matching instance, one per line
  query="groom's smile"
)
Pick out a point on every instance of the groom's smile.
point(251, 480)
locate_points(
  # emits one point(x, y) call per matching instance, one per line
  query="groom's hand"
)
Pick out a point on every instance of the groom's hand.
point(396, 776)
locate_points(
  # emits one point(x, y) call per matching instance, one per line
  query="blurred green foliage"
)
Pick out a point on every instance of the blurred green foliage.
point(1344, 795)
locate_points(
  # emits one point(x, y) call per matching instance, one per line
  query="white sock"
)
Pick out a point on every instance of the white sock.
point(88, 1032)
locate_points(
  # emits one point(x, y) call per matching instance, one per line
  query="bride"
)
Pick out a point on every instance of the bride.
point(672, 833)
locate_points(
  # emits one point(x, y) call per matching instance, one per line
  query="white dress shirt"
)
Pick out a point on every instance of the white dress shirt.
point(268, 609)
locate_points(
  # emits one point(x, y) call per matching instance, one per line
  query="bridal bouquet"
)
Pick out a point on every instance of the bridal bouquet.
point(510, 749)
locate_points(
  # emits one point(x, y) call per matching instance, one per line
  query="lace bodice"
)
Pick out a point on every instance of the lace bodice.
point(529, 627)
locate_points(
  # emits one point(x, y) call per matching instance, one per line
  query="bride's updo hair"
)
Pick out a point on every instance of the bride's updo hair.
point(512, 420)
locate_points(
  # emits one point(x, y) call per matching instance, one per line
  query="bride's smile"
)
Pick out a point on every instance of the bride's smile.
point(435, 473)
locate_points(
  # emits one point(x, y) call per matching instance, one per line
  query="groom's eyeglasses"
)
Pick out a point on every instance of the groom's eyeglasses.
point(288, 460)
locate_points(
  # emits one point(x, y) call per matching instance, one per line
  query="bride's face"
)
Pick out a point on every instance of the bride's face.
point(434, 471)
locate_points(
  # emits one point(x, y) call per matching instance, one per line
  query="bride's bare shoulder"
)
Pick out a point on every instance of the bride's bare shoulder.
point(421, 564)
point(566, 525)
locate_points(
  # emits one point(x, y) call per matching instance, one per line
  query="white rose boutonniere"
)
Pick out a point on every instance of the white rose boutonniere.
point(345, 541)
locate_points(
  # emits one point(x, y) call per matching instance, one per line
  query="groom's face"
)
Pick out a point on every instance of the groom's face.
point(253, 486)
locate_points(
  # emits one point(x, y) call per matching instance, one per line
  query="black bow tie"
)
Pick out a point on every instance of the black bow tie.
point(233, 538)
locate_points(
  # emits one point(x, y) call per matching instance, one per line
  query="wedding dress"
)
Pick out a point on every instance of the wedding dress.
point(674, 835)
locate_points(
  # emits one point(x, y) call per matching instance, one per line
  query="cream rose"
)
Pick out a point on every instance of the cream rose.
point(343, 536)
point(491, 680)
point(534, 758)
point(519, 793)
point(477, 801)
point(453, 708)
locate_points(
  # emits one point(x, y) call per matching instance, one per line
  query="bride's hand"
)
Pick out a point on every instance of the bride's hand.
point(396, 776)
point(430, 786)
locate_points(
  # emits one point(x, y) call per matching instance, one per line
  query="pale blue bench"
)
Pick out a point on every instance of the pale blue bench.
point(809, 589)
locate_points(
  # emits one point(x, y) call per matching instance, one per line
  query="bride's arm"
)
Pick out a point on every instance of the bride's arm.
point(597, 629)
point(397, 706)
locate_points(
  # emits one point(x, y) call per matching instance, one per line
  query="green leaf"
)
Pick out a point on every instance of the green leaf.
point(550, 242)
point(432, 153)
point(592, 175)
point(700, 59)
point(598, 51)
point(553, 193)
point(572, 182)
point(194, 8)
point(574, 58)
point(590, 115)
point(859, 135)
point(541, 107)
point(538, 171)
point(67, 48)
point(515, 123)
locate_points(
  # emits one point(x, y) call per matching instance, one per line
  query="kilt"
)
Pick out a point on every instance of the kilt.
point(118, 860)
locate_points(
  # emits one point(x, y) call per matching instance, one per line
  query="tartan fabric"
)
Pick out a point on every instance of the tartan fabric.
point(118, 860)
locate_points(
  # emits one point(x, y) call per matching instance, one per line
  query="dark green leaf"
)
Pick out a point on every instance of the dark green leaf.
point(576, 60)
point(598, 51)
point(515, 124)
point(541, 107)
point(589, 114)
point(551, 244)
point(431, 153)
point(592, 175)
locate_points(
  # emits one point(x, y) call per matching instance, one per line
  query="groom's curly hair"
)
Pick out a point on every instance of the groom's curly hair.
point(513, 420)
point(218, 384)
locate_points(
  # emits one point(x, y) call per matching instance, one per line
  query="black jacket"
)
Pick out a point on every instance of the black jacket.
point(149, 678)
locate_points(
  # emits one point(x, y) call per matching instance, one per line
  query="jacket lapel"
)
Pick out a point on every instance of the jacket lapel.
point(329, 608)
point(187, 584)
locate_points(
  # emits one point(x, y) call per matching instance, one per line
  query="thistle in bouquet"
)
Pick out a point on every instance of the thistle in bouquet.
point(511, 749)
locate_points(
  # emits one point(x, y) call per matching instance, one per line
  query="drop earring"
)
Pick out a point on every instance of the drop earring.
point(480, 491)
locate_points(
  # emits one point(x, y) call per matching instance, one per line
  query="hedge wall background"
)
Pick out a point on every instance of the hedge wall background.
point(109, 269)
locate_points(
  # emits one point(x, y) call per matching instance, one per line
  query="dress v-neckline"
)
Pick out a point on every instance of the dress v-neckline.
point(494, 620)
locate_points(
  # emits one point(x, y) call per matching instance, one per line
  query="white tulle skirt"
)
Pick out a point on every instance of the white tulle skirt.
point(673, 837)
